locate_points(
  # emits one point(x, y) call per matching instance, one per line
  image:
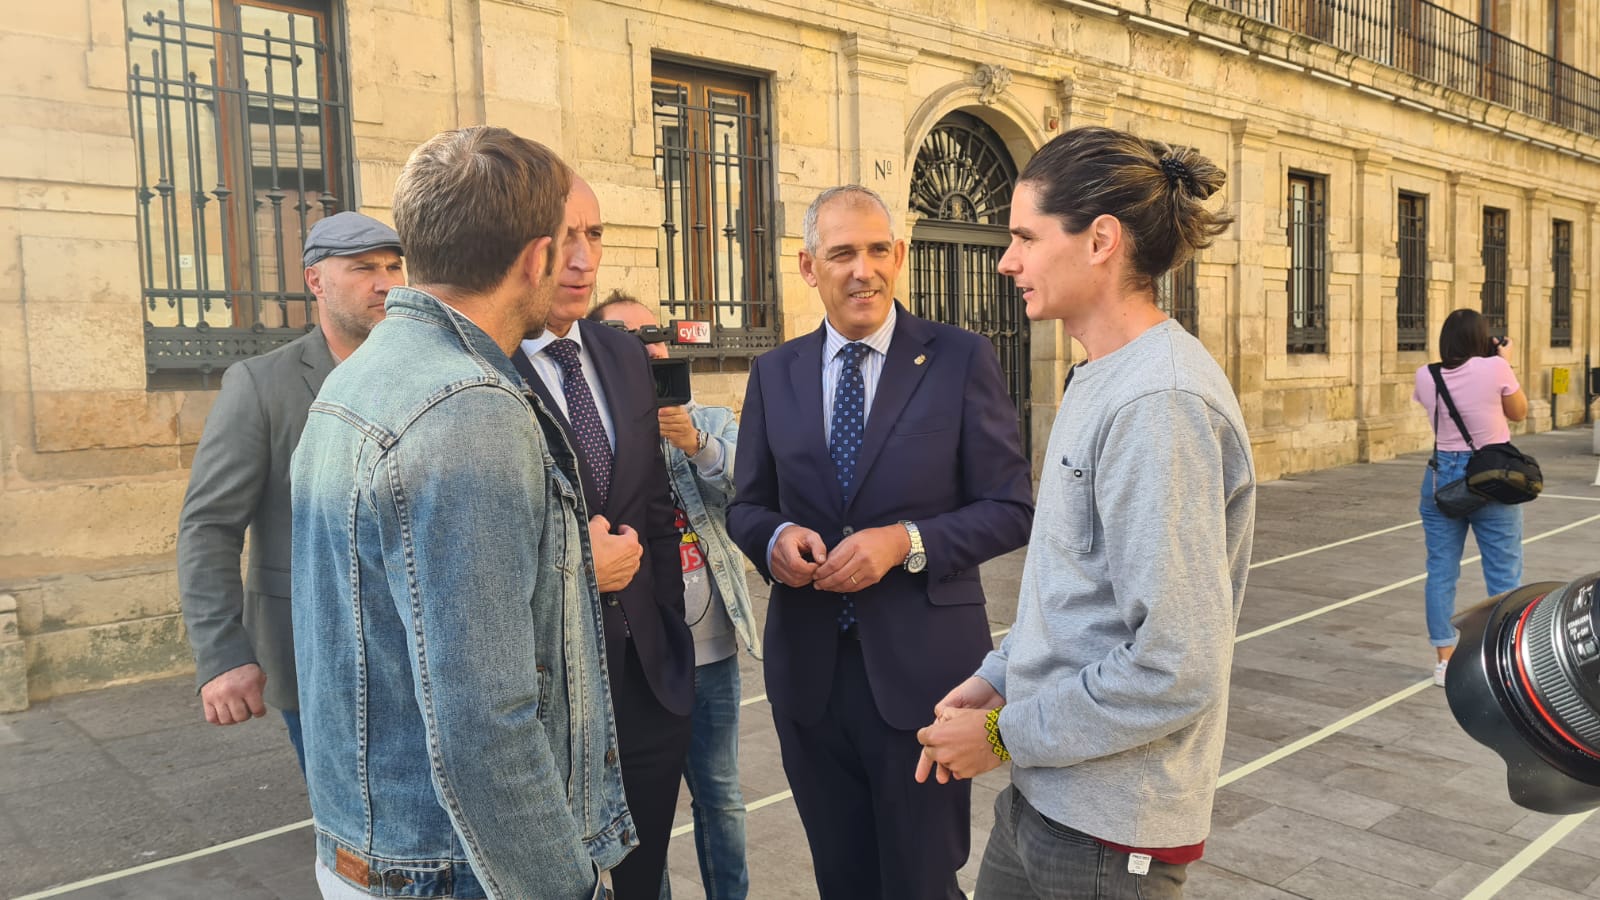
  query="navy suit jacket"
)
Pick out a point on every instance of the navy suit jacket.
point(941, 449)
point(639, 496)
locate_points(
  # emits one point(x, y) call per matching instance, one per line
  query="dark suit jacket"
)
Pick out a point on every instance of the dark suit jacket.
point(640, 497)
point(941, 449)
point(240, 480)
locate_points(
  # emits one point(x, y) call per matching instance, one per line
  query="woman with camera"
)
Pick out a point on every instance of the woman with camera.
point(1477, 376)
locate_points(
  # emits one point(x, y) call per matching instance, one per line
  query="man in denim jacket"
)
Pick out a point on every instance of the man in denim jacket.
point(454, 699)
point(699, 443)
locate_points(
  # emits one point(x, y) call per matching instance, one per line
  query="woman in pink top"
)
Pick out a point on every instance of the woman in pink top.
point(1477, 373)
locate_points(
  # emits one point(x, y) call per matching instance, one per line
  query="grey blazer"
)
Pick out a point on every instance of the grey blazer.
point(240, 479)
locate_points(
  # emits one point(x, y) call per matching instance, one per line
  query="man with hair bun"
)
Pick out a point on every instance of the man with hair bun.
point(1109, 694)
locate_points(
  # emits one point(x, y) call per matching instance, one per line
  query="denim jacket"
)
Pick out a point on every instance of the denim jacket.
point(454, 698)
point(705, 501)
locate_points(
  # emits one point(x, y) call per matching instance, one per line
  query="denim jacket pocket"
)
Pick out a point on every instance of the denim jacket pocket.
point(1069, 512)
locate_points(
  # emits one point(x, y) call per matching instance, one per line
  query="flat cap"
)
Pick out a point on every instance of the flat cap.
point(347, 234)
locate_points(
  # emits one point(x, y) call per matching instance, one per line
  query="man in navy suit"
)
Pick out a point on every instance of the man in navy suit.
point(597, 381)
point(878, 465)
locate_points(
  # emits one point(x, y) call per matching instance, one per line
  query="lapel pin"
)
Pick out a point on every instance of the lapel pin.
point(921, 358)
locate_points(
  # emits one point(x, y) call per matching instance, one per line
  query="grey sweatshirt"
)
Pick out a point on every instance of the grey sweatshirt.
point(1116, 672)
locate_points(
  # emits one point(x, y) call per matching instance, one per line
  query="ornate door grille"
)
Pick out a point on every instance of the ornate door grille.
point(240, 128)
point(961, 188)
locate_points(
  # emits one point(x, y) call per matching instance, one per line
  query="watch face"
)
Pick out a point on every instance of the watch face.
point(916, 562)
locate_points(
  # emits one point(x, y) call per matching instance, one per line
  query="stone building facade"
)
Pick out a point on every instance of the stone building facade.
point(162, 158)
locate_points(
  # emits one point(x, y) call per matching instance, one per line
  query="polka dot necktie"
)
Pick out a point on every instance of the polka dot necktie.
point(582, 415)
point(844, 435)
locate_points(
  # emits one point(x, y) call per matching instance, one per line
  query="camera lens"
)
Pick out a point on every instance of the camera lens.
point(1525, 682)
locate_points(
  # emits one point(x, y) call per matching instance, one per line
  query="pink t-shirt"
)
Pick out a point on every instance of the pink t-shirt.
point(1476, 386)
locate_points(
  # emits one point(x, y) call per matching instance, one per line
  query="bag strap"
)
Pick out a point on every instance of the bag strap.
point(1444, 394)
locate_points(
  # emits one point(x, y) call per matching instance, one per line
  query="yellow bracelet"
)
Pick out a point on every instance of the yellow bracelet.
point(991, 724)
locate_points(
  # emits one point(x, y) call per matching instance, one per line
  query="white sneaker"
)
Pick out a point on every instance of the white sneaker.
point(1438, 672)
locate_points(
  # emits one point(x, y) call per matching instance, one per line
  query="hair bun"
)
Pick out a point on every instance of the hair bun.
point(1180, 176)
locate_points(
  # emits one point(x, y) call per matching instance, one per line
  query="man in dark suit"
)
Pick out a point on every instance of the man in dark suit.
point(878, 465)
point(597, 381)
point(240, 630)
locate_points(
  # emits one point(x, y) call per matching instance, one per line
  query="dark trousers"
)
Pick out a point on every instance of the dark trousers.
point(1031, 857)
point(875, 833)
point(653, 743)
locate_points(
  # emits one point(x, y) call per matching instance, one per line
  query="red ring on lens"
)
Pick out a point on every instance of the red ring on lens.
point(1527, 686)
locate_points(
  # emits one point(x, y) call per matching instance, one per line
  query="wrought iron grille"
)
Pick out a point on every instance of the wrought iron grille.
point(954, 280)
point(1308, 269)
point(963, 173)
point(240, 131)
point(1493, 294)
point(1177, 294)
point(961, 187)
point(1437, 45)
point(1411, 294)
point(1561, 290)
point(714, 170)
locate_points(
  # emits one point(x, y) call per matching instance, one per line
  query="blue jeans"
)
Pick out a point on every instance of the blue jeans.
point(1498, 530)
point(1030, 857)
point(291, 718)
point(712, 771)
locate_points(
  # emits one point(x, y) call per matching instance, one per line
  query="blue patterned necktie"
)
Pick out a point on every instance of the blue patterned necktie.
point(845, 431)
point(583, 416)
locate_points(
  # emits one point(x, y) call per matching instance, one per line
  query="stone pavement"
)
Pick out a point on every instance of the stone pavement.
point(1329, 793)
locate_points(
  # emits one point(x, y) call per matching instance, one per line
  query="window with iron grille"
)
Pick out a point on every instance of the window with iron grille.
point(1561, 291)
point(1178, 297)
point(1493, 294)
point(241, 133)
point(1308, 264)
point(1411, 295)
point(714, 169)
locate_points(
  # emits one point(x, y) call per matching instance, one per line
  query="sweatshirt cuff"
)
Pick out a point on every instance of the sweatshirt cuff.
point(993, 671)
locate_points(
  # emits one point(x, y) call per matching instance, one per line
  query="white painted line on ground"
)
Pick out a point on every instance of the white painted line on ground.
point(1322, 733)
point(1324, 610)
point(1350, 540)
point(1516, 864)
point(750, 807)
point(1569, 497)
point(1333, 606)
point(171, 860)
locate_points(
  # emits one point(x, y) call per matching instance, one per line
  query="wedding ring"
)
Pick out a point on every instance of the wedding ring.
point(853, 580)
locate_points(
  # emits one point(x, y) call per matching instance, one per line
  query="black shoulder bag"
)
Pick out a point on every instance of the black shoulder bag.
point(1498, 472)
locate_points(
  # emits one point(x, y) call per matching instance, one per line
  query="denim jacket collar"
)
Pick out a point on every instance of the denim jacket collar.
point(417, 304)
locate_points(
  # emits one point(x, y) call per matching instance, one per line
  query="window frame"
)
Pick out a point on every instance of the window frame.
point(1307, 279)
point(1178, 294)
point(1561, 232)
point(698, 240)
point(1495, 253)
point(222, 220)
point(1411, 289)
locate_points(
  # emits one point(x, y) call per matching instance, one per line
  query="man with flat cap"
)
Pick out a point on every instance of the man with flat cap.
point(240, 629)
